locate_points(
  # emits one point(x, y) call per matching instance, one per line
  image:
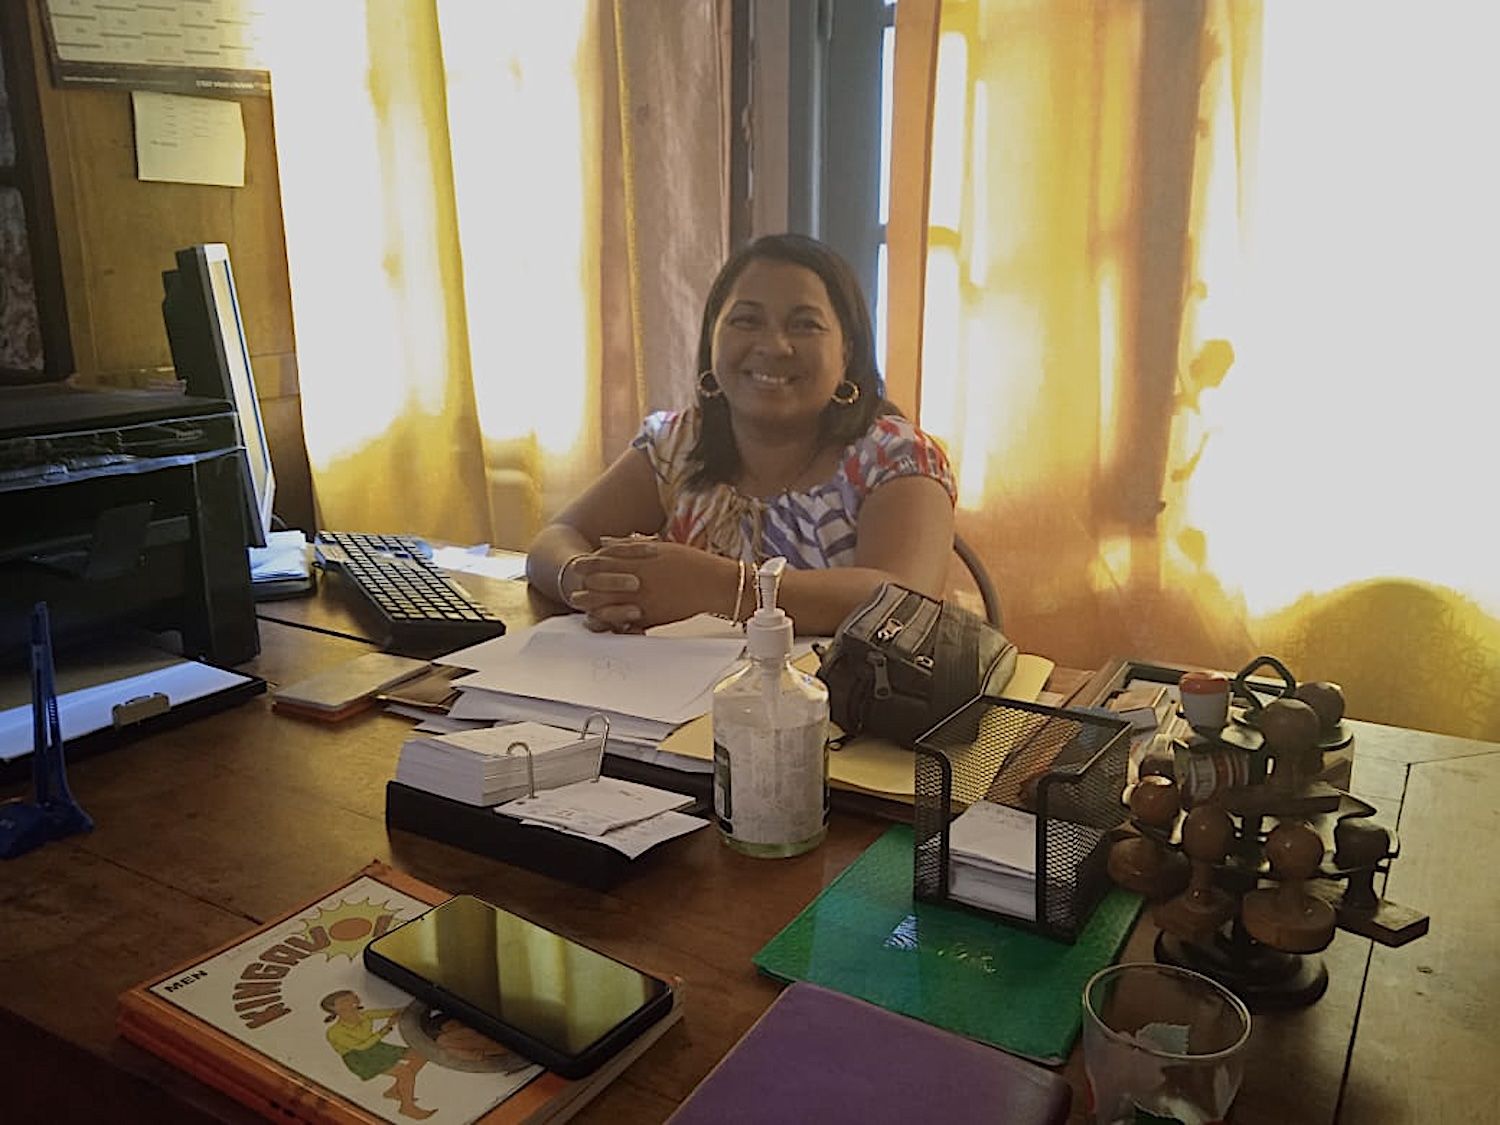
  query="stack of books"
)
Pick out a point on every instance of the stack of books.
point(263, 1019)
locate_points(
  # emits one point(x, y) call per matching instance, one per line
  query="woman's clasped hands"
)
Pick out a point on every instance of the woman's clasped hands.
point(631, 583)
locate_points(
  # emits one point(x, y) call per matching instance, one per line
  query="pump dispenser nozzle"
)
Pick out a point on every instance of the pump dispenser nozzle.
point(768, 581)
point(768, 633)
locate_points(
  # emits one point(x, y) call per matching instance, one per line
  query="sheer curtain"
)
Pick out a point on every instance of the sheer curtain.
point(1201, 323)
point(500, 219)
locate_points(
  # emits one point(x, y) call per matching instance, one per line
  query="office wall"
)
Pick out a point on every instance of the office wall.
point(116, 234)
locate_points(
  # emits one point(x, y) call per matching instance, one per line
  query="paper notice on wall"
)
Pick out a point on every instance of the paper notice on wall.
point(187, 140)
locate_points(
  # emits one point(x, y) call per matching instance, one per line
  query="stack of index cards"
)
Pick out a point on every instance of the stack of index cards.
point(491, 765)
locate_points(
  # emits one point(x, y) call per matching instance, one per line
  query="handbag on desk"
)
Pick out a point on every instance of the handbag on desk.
point(902, 662)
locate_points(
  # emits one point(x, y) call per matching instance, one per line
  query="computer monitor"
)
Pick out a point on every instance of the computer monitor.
point(207, 337)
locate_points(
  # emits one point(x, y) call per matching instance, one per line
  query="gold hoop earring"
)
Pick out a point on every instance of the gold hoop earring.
point(708, 385)
point(846, 393)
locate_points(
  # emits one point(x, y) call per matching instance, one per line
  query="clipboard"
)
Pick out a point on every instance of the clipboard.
point(113, 693)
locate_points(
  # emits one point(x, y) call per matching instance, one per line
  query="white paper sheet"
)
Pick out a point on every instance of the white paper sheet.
point(479, 704)
point(283, 556)
point(189, 140)
point(481, 560)
point(666, 679)
point(636, 839)
point(592, 808)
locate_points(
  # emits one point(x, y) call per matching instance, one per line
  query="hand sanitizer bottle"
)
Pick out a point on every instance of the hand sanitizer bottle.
point(770, 724)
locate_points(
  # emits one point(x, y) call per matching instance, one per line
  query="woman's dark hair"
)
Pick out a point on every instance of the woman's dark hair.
point(717, 455)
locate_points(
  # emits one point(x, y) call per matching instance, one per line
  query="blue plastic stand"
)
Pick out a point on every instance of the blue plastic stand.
point(52, 813)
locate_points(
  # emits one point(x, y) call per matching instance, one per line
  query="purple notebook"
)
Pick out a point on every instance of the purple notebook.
point(818, 1055)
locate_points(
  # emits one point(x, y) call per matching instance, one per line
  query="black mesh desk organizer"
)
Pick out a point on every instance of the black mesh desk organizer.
point(1068, 767)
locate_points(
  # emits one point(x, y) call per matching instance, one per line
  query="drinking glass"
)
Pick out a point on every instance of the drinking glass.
point(1161, 1044)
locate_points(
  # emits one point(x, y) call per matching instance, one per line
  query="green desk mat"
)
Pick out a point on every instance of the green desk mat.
point(965, 971)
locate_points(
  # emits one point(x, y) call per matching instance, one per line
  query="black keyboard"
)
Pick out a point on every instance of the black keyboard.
point(417, 608)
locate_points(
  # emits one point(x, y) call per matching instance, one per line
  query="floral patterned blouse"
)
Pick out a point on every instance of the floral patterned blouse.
point(813, 527)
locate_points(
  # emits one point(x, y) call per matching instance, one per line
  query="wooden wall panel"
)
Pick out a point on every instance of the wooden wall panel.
point(116, 235)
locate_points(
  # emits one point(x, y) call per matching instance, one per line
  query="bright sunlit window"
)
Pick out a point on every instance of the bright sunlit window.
point(1361, 314)
point(521, 174)
point(369, 200)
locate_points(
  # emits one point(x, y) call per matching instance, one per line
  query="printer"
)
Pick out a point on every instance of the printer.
point(123, 510)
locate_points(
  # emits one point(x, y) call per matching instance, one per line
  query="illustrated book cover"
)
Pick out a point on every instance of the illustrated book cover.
point(288, 1021)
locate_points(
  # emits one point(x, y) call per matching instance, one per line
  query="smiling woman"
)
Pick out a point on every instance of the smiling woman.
point(790, 450)
point(777, 360)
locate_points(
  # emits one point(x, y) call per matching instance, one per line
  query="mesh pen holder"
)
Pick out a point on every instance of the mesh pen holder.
point(1067, 767)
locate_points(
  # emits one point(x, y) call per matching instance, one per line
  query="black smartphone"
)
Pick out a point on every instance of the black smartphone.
point(557, 1002)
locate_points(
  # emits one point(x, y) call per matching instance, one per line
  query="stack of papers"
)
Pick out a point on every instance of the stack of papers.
point(485, 766)
point(283, 556)
point(992, 859)
point(656, 691)
point(491, 562)
point(560, 674)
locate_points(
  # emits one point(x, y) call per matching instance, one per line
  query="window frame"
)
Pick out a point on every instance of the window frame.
point(808, 85)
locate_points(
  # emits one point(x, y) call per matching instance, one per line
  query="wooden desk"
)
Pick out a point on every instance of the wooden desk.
point(208, 829)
